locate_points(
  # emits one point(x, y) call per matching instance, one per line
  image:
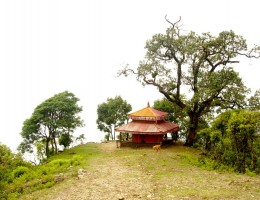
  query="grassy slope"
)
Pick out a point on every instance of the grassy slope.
point(169, 173)
point(175, 176)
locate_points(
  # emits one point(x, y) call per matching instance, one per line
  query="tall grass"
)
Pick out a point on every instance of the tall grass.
point(26, 179)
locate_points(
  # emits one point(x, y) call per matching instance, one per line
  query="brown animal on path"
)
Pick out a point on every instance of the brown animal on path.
point(157, 147)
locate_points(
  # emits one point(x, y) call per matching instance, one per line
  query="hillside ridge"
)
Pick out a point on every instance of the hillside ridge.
point(128, 174)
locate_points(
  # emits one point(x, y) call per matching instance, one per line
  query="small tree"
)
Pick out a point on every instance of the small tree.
point(81, 138)
point(56, 115)
point(111, 114)
point(65, 140)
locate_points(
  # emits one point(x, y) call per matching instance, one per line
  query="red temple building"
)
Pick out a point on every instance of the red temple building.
point(147, 126)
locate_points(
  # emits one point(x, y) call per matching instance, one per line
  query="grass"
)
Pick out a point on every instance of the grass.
point(180, 167)
point(172, 173)
point(29, 179)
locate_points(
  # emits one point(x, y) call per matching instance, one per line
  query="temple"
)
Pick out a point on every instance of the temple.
point(146, 126)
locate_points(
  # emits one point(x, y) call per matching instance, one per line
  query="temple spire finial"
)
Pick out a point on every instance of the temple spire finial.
point(148, 104)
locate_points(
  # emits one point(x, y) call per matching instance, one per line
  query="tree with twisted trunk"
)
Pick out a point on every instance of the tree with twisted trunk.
point(197, 67)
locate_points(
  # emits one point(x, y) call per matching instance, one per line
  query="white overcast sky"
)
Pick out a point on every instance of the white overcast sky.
point(49, 46)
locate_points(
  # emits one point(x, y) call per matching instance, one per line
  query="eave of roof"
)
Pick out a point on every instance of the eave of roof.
point(144, 127)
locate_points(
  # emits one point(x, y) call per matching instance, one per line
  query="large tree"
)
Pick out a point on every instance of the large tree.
point(55, 116)
point(111, 114)
point(196, 66)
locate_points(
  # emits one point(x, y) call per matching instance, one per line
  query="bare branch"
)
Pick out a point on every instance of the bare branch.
point(253, 53)
point(173, 24)
point(126, 71)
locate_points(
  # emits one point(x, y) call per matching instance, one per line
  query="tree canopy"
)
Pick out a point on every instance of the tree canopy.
point(179, 116)
point(112, 113)
point(234, 139)
point(197, 67)
point(50, 120)
point(254, 101)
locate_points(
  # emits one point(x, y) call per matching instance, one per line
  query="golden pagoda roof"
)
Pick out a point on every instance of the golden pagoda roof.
point(148, 113)
point(148, 121)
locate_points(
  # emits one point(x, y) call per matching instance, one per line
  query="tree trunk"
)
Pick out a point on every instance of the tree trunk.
point(47, 150)
point(52, 146)
point(111, 135)
point(111, 132)
point(55, 145)
point(53, 142)
point(191, 137)
point(194, 121)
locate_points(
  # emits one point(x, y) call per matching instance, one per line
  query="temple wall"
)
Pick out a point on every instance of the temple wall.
point(141, 138)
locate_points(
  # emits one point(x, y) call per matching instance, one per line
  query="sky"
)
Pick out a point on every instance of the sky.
point(50, 46)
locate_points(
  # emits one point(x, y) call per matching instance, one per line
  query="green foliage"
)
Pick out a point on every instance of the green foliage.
point(19, 177)
point(179, 116)
point(56, 115)
point(254, 101)
point(175, 113)
point(197, 66)
point(40, 150)
point(111, 114)
point(107, 136)
point(19, 171)
point(81, 138)
point(234, 140)
point(9, 161)
point(125, 136)
point(60, 162)
point(76, 160)
point(65, 140)
point(12, 168)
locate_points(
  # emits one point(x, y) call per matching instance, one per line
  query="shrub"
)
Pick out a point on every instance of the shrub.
point(234, 140)
point(75, 160)
point(19, 171)
point(60, 162)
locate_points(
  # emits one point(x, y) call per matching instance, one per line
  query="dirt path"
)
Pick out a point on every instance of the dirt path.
point(113, 179)
point(109, 179)
point(145, 174)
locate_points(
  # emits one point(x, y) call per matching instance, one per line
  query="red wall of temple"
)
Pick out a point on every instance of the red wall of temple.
point(140, 138)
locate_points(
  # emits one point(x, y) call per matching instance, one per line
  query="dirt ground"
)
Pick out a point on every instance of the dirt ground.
point(111, 179)
point(119, 178)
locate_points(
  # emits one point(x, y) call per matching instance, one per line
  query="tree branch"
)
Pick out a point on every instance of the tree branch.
point(173, 24)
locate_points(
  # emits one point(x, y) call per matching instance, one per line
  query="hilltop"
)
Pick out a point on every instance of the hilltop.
point(113, 173)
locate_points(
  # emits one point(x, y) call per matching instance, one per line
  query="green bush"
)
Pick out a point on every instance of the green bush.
point(233, 140)
point(76, 160)
point(19, 171)
point(60, 162)
point(18, 177)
